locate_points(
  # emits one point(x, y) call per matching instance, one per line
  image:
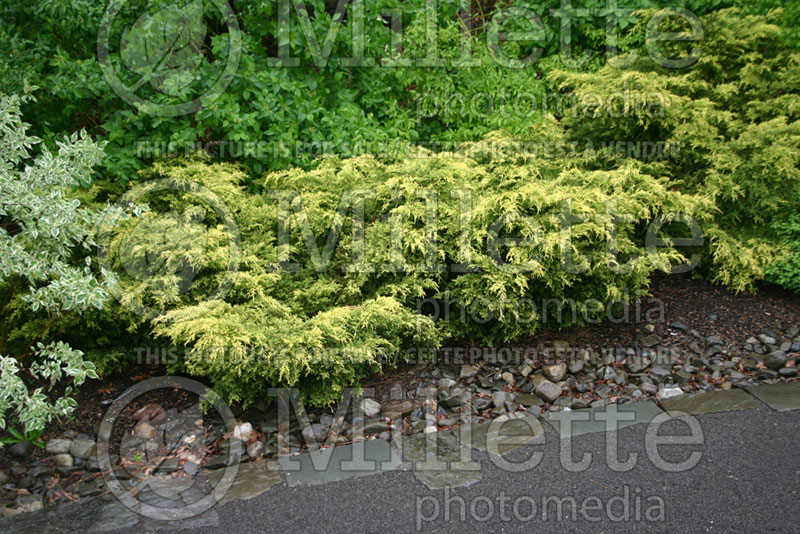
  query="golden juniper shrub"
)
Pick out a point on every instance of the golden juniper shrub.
point(352, 265)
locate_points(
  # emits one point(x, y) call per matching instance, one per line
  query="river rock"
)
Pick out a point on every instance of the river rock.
point(21, 449)
point(57, 446)
point(370, 407)
point(243, 432)
point(150, 412)
point(547, 390)
point(82, 448)
point(144, 430)
point(63, 460)
point(555, 372)
point(467, 371)
point(775, 360)
point(254, 450)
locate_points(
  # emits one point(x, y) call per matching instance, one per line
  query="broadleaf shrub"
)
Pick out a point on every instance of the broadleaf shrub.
point(42, 230)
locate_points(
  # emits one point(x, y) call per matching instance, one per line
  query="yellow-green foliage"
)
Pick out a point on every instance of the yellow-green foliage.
point(334, 261)
point(323, 326)
point(735, 117)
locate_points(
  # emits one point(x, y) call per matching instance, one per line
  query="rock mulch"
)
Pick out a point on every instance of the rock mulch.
point(679, 370)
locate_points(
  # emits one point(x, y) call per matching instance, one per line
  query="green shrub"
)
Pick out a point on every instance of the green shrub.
point(318, 312)
point(785, 270)
point(42, 231)
point(292, 111)
point(735, 118)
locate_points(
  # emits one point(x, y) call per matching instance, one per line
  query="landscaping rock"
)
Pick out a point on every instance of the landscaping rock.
point(467, 371)
point(528, 400)
point(669, 392)
point(243, 432)
point(22, 449)
point(775, 360)
point(649, 341)
point(150, 412)
point(254, 450)
point(63, 460)
point(403, 407)
point(547, 390)
point(316, 432)
point(555, 372)
point(370, 407)
point(57, 446)
point(144, 430)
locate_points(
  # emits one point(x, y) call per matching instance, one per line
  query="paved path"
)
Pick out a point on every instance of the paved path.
point(747, 480)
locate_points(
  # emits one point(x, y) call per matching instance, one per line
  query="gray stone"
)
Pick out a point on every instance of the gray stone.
point(781, 397)
point(191, 468)
point(93, 516)
point(468, 371)
point(481, 403)
point(649, 341)
point(649, 388)
point(501, 437)
point(317, 432)
point(90, 489)
point(370, 407)
point(374, 426)
point(252, 479)
point(576, 366)
point(555, 372)
point(21, 449)
point(499, 398)
point(710, 402)
point(82, 448)
point(454, 399)
point(669, 392)
point(337, 463)
point(144, 430)
point(775, 360)
point(57, 446)
point(607, 373)
point(547, 390)
point(528, 400)
point(402, 407)
point(255, 449)
point(767, 339)
point(446, 451)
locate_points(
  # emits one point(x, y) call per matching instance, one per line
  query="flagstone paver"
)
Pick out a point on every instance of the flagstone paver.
point(503, 437)
point(447, 468)
point(593, 419)
point(252, 479)
point(339, 463)
point(780, 397)
point(710, 402)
